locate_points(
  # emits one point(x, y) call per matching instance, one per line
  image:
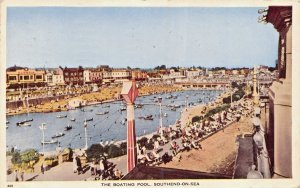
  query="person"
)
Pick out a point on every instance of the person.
point(166, 158)
point(42, 168)
point(93, 168)
point(156, 145)
point(22, 176)
point(78, 162)
point(101, 167)
point(16, 175)
point(74, 164)
point(118, 174)
point(238, 117)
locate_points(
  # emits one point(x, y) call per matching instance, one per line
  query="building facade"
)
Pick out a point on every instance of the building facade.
point(73, 76)
point(20, 76)
point(279, 131)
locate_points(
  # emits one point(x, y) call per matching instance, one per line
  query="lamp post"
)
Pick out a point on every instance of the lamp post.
point(255, 94)
point(85, 134)
point(43, 127)
point(186, 102)
point(129, 93)
point(231, 98)
point(160, 116)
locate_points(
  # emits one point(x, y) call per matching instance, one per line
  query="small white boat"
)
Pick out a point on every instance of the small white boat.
point(6, 126)
point(102, 113)
point(61, 116)
point(52, 141)
point(24, 124)
point(165, 114)
point(7, 122)
point(60, 134)
point(72, 119)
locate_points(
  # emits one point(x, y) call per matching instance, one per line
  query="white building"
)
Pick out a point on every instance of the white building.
point(86, 75)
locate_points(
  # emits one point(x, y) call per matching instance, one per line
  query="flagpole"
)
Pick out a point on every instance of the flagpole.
point(43, 137)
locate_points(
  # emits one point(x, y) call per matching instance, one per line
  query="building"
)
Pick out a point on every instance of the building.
point(58, 77)
point(279, 131)
point(192, 73)
point(120, 75)
point(73, 76)
point(86, 76)
point(95, 76)
point(139, 75)
point(24, 77)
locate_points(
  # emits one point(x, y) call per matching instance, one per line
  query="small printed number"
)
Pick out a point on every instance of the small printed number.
point(10, 186)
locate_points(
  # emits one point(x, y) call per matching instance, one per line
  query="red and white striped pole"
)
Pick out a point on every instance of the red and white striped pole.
point(129, 93)
point(131, 138)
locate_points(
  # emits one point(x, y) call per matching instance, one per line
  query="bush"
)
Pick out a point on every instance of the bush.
point(16, 158)
point(29, 155)
point(216, 110)
point(196, 119)
point(94, 151)
point(143, 141)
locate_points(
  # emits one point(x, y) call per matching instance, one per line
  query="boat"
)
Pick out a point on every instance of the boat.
point(72, 119)
point(169, 97)
point(199, 100)
point(91, 119)
point(138, 106)
point(123, 108)
point(49, 142)
point(69, 127)
point(165, 114)
point(102, 113)
point(123, 122)
point(106, 106)
point(61, 116)
point(60, 134)
point(24, 124)
point(7, 122)
point(25, 121)
point(149, 117)
point(173, 109)
point(83, 110)
point(6, 126)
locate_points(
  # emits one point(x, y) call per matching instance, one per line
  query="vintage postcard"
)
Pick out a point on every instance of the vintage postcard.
point(149, 94)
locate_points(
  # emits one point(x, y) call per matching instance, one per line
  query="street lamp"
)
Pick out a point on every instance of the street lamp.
point(85, 133)
point(160, 116)
point(186, 102)
point(43, 127)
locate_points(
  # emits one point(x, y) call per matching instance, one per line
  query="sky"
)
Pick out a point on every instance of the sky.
point(138, 37)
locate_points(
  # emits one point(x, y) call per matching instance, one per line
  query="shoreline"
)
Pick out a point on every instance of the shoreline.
point(45, 109)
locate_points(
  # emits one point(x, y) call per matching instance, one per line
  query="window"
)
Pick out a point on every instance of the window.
point(26, 77)
point(12, 78)
point(31, 77)
point(21, 77)
point(39, 77)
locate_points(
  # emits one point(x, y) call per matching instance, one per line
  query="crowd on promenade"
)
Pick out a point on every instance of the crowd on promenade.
point(179, 138)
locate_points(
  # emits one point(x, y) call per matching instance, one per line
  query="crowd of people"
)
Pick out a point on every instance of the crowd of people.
point(179, 138)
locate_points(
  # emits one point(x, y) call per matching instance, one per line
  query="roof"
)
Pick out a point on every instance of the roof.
point(14, 68)
point(142, 172)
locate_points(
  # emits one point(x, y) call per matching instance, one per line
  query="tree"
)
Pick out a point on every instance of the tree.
point(162, 67)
